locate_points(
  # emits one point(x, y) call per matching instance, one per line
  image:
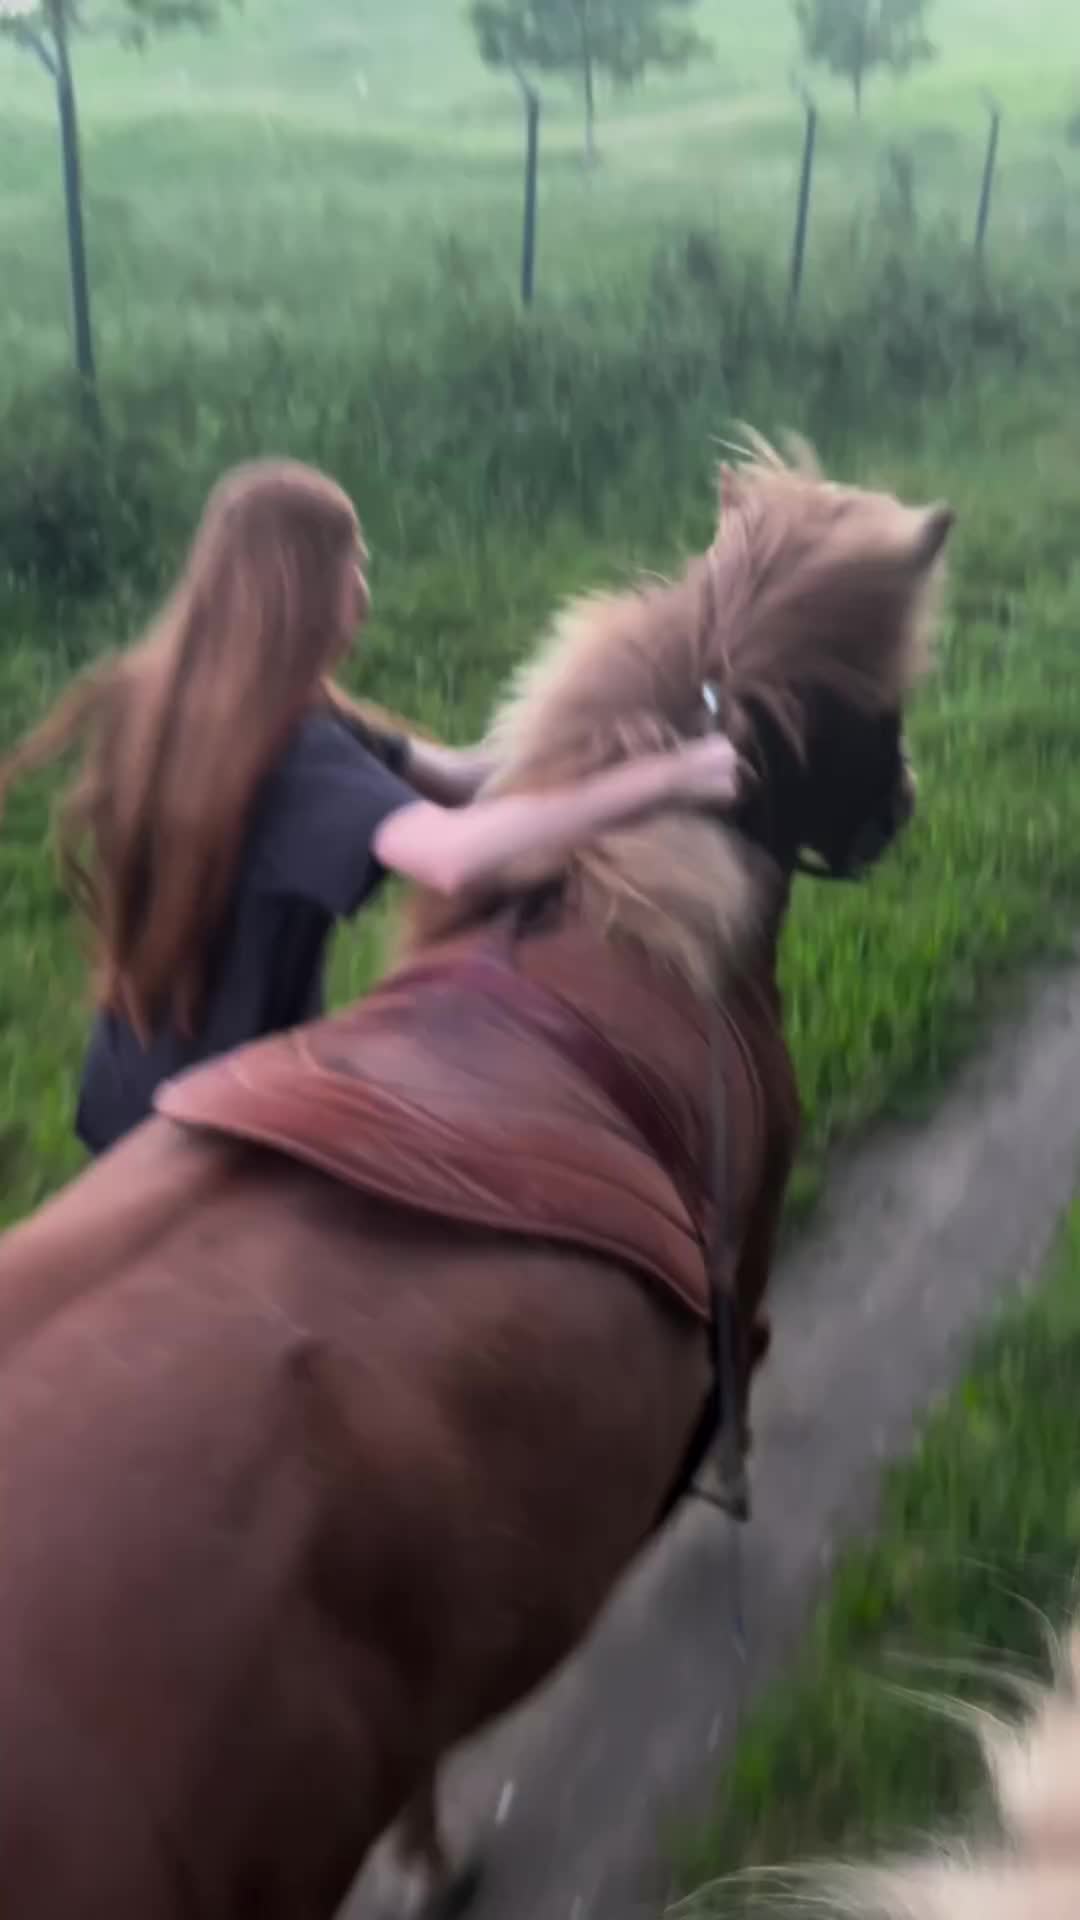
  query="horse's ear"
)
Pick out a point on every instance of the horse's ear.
point(935, 526)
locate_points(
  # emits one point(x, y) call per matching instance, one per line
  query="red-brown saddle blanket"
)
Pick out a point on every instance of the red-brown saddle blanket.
point(557, 1091)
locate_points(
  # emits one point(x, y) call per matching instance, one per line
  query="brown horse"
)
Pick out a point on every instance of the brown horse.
point(336, 1400)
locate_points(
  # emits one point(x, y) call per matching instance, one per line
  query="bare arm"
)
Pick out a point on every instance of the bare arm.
point(450, 851)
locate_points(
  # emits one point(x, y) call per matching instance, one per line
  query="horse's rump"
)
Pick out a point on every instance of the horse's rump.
point(563, 1098)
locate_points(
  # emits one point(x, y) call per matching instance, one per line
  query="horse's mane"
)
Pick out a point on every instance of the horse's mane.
point(807, 588)
point(1028, 1870)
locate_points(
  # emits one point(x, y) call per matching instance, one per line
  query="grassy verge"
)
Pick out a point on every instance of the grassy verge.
point(978, 1548)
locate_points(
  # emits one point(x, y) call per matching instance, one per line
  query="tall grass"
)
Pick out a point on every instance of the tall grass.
point(456, 420)
point(500, 464)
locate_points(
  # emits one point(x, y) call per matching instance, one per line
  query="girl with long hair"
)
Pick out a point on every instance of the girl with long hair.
point(233, 804)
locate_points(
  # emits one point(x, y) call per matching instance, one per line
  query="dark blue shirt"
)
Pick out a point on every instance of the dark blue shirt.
point(307, 863)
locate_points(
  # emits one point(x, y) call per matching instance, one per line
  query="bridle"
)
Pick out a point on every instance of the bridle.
point(873, 837)
point(725, 1438)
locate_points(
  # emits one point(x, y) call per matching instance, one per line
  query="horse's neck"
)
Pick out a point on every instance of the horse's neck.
point(429, 919)
point(757, 978)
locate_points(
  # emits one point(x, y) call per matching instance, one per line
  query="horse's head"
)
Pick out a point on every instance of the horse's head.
point(806, 624)
point(837, 588)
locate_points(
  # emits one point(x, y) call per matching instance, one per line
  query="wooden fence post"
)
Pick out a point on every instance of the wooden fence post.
point(530, 100)
point(802, 214)
point(989, 169)
point(532, 176)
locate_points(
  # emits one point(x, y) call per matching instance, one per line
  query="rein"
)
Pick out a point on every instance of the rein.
point(732, 1495)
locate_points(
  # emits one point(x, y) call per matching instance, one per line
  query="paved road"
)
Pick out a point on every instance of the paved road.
point(875, 1312)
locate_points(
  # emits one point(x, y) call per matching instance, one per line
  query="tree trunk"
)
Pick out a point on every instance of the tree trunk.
point(73, 205)
point(857, 87)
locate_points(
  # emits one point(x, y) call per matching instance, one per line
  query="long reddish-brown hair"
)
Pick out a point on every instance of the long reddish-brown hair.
point(178, 731)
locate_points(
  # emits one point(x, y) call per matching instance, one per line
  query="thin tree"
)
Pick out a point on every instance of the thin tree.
point(584, 38)
point(45, 28)
point(853, 37)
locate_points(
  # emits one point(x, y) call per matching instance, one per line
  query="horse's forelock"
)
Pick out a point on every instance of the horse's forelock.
point(823, 586)
point(806, 585)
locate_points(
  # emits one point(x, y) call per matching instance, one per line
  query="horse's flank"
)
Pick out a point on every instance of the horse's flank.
point(807, 589)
